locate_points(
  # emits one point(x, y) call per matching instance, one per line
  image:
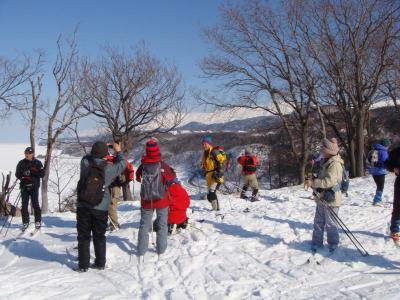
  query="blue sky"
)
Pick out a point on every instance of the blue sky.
point(171, 30)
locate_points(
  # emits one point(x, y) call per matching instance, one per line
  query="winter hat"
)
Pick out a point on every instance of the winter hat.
point(152, 149)
point(29, 150)
point(247, 151)
point(330, 146)
point(385, 142)
point(99, 150)
point(207, 139)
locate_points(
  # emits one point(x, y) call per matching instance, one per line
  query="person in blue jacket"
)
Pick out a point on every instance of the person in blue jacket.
point(378, 169)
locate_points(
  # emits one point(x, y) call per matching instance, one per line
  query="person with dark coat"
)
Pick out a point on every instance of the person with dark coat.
point(29, 171)
point(393, 165)
point(153, 174)
point(378, 169)
point(92, 220)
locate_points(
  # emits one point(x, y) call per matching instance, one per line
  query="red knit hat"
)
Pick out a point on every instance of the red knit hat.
point(152, 149)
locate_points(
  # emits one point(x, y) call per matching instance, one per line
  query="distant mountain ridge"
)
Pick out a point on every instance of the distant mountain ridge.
point(235, 125)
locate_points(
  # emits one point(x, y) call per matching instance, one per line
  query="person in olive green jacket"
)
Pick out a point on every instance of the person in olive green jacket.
point(329, 196)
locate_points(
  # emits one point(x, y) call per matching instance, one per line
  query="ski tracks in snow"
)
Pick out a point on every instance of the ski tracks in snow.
point(254, 255)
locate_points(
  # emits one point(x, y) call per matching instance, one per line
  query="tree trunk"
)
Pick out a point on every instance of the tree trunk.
point(360, 140)
point(321, 118)
point(33, 126)
point(45, 180)
point(352, 159)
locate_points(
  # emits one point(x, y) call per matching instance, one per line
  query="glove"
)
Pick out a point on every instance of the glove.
point(218, 174)
point(34, 170)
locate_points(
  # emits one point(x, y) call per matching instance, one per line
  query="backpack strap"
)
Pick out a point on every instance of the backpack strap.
point(213, 155)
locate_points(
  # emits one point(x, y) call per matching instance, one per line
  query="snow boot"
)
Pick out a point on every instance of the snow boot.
point(80, 270)
point(254, 197)
point(24, 227)
point(38, 225)
point(396, 238)
point(96, 267)
point(377, 199)
point(243, 193)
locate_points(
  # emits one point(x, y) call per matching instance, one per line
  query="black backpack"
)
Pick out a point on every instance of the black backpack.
point(249, 165)
point(91, 188)
point(152, 187)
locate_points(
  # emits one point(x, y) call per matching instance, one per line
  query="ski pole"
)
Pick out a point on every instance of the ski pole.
point(12, 217)
point(5, 210)
point(348, 232)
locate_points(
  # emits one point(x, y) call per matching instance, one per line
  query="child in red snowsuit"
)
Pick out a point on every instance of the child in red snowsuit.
point(179, 203)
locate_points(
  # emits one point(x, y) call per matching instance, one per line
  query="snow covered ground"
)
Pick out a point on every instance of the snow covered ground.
point(256, 255)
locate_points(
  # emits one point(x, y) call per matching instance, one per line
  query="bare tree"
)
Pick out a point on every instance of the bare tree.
point(64, 173)
point(263, 65)
point(14, 76)
point(133, 94)
point(67, 106)
point(391, 86)
point(32, 105)
point(351, 42)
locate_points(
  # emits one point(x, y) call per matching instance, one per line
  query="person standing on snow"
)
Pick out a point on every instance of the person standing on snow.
point(212, 164)
point(153, 174)
point(328, 196)
point(249, 162)
point(393, 165)
point(96, 176)
point(115, 191)
point(376, 167)
point(29, 171)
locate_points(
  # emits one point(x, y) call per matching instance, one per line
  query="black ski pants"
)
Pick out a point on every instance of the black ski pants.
point(395, 221)
point(380, 182)
point(91, 222)
point(33, 194)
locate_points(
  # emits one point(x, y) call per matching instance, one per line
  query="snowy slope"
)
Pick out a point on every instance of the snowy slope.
point(255, 255)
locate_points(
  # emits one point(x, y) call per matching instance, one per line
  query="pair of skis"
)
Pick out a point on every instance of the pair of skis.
point(318, 258)
point(32, 234)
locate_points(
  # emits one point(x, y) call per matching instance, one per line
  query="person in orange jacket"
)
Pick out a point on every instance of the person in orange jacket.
point(249, 162)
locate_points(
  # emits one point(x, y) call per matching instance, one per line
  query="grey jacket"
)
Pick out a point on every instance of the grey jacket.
point(329, 176)
point(111, 171)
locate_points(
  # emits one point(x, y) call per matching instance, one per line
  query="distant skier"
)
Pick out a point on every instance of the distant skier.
point(393, 165)
point(29, 171)
point(376, 166)
point(249, 162)
point(213, 166)
point(96, 176)
point(153, 174)
point(328, 194)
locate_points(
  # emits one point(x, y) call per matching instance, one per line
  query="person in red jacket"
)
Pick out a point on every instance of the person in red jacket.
point(126, 178)
point(153, 175)
point(249, 162)
point(179, 203)
point(115, 191)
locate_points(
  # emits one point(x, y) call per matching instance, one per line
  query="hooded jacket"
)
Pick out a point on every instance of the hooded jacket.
point(212, 161)
point(167, 174)
point(382, 157)
point(329, 176)
point(110, 172)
